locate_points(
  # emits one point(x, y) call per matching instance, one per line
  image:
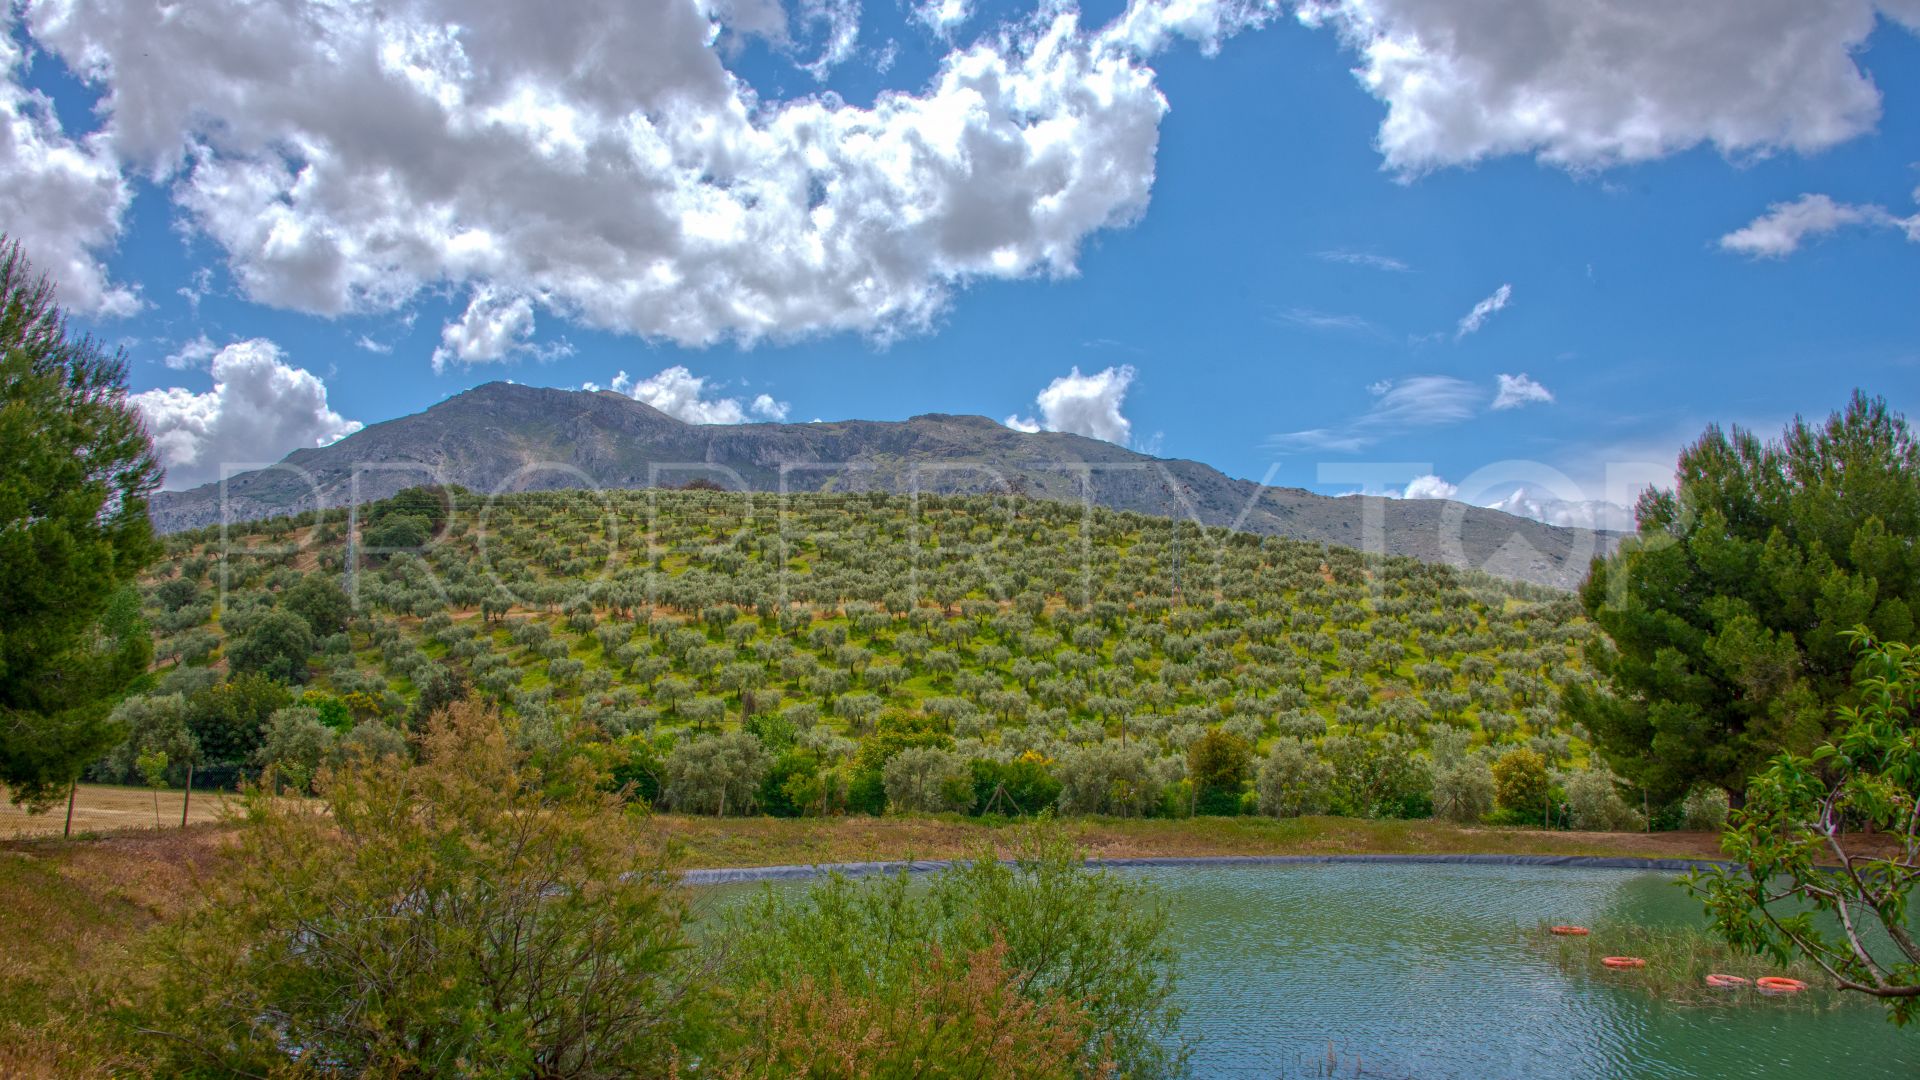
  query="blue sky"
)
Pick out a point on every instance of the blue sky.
point(1272, 275)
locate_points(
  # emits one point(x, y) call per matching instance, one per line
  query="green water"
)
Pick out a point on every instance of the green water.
point(1417, 972)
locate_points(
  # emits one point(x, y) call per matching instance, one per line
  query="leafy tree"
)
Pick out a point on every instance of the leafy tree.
point(1218, 764)
point(473, 915)
point(1594, 802)
point(1012, 788)
point(277, 645)
point(1293, 780)
point(320, 600)
point(1378, 777)
point(1802, 882)
point(1521, 786)
point(1111, 778)
point(76, 466)
point(228, 720)
point(1726, 615)
point(928, 780)
point(711, 774)
point(1463, 789)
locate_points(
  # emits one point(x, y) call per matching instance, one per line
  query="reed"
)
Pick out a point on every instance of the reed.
point(1678, 961)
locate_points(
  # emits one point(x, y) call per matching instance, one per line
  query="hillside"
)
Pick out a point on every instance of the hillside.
point(503, 437)
point(839, 629)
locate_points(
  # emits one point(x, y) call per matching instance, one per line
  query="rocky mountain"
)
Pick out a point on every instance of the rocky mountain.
point(506, 437)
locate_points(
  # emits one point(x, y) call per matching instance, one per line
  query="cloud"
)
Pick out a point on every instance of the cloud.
point(493, 328)
point(1482, 311)
point(840, 20)
point(1600, 82)
point(766, 408)
point(61, 198)
point(259, 410)
point(683, 395)
point(1327, 321)
point(347, 157)
point(1361, 258)
point(191, 355)
point(1526, 502)
point(1083, 405)
point(1570, 513)
point(1518, 390)
point(1780, 231)
point(1429, 487)
point(1417, 402)
point(942, 17)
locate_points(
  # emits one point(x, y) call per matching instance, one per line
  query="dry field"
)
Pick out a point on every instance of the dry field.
point(99, 808)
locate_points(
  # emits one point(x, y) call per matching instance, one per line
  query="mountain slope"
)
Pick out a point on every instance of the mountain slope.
point(506, 437)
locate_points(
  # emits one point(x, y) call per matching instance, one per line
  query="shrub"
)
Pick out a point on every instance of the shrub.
point(715, 773)
point(1012, 788)
point(928, 780)
point(472, 915)
point(1521, 785)
point(1064, 935)
point(1294, 780)
point(1704, 810)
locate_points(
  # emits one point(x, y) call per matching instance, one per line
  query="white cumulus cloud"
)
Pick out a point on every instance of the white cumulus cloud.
point(1473, 320)
point(601, 157)
point(493, 328)
point(683, 395)
point(1429, 487)
point(61, 198)
point(1518, 390)
point(1083, 405)
point(1592, 83)
point(260, 409)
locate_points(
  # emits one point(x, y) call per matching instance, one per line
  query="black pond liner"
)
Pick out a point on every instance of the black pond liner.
point(923, 866)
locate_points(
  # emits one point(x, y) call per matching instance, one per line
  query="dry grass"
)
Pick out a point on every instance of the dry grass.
point(735, 842)
point(72, 911)
point(103, 808)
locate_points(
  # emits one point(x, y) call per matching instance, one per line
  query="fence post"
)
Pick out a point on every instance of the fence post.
point(71, 791)
point(187, 800)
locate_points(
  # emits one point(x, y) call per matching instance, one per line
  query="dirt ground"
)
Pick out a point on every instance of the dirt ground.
point(100, 808)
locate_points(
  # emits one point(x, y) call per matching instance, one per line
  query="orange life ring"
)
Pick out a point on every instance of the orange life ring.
point(1569, 931)
point(1623, 961)
point(1726, 982)
point(1778, 984)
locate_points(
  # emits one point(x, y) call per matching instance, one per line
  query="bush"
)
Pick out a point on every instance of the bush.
point(1108, 778)
point(713, 774)
point(1059, 935)
point(1521, 785)
point(1594, 802)
point(1704, 810)
point(928, 780)
point(1463, 790)
point(1013, 788)
point(472, 915)
point(1294, 781)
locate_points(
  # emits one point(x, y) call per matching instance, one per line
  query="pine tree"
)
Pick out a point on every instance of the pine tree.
point(76, 466)
point(1728, 611)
